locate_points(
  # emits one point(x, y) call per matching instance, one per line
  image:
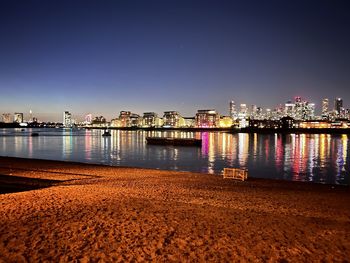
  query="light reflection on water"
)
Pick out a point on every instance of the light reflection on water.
point(301, 157)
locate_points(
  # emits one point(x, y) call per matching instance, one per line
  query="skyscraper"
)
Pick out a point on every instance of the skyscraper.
point(233, 113)
point(67, 119)
point(338, 105)
point(325, 106)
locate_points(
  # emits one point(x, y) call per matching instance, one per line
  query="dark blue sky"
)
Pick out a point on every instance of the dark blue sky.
point(106, 56)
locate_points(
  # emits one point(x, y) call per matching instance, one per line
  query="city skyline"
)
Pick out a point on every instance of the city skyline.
point(84, 56)
point(321, 110)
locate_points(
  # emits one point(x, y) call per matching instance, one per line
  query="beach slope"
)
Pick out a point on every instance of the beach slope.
point(79, 212)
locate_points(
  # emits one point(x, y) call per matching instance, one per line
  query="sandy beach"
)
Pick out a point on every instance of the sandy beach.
point(62, 212)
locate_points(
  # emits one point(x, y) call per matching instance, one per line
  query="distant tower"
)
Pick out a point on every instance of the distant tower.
point(338, 105)
point(67, 119)
point(253, 111)
point(289, 109)
point(30, 116)
point(233, 113)
point(325, 108)
point(88, 118)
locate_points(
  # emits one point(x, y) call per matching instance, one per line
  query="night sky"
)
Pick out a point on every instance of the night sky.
point(102, 57)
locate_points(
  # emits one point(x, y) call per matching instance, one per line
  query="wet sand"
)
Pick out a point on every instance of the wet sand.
point(86, 213)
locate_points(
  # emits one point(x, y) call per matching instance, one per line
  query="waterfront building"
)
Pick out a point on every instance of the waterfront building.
point(207, 119)
point(125, 119)
point(18, 117)
point(67, 119)
point(173, 119)
point(233, 112)
point(99, 121)
point(314, 124)
point(6, 118)
point(135, 120)
point(116, 123)
point(225, 122)
point(189, 122)
point(150, 119)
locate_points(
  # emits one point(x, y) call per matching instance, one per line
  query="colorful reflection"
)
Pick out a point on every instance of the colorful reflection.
point(319, 158)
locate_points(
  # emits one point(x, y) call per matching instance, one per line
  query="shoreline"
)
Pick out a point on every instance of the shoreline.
point(95, 212)
point(336, 131)
point(216, 175)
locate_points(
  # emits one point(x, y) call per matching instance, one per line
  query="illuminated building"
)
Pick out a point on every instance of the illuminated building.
point(116, 123)
point(18, 117)
point(259, 113)
point(124, 118)
point(233, 112)
point(325, 108)
point(6, 118)
point(338, 105)
point(189, 122)
point(88, 119)
point(308, 111)
point(314, 124)
point(243, 110)
point(67, 119)
point(135, 120)
point(268, 114)
point(225, 122)
point(99, 121)
point(253, 111)
point(31, 116)
point(289, 109)
point(207, 119)
point(173, 119)
point(150, 119)
point(303, 110)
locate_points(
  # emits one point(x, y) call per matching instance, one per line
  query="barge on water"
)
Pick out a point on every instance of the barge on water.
point(174, 141)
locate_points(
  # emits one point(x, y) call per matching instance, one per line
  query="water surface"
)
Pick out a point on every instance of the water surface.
point(320, 158)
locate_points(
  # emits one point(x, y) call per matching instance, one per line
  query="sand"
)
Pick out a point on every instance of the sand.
point(88, 213)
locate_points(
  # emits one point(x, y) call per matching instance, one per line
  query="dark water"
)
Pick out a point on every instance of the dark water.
point(317, 158)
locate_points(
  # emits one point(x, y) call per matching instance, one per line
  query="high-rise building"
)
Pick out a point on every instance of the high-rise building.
point(18, 117)
point(67, 119)
point(253, 111)
point(338, 104)
point(6, 117)
point(233, 112)
point(289, 109)
point(325, 108)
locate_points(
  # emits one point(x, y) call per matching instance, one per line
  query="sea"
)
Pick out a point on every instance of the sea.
point(316, 158)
